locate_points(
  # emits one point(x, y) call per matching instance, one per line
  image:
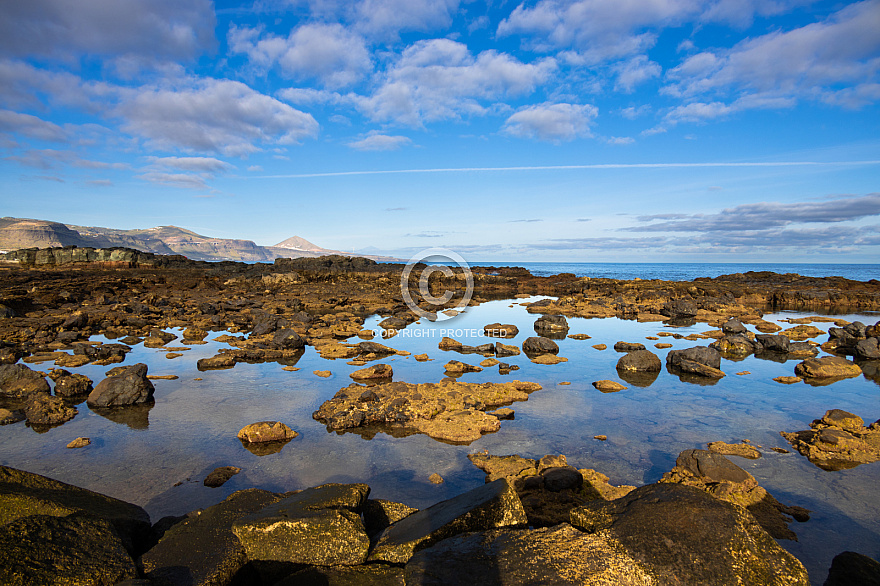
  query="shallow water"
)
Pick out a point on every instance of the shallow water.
point(141, 454)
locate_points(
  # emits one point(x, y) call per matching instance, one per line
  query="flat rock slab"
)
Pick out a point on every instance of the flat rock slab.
point(23, 494)
point(448, 410)
point(493, 505)
point(827, 367)
point(743, 450)
point(682, 535)
point(555, 555)
point(318, 526)
point(77, 550)
point(203, 550)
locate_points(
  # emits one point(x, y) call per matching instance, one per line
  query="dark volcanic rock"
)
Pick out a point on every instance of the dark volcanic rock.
point(667, 527)
point(203, 550)
point(288, 340)
point(559, 555)
point(72, 385)
point(77, 550)
point(537, 345)
point(553, 323)
point(130, 387)
point(734, 345)
point(701, 354)
point(319, 526)
point(23, 494)
point(733, 326)
point(770, 343)
point(491, 506)
point(18, 381)
point(628, 346)
point(369, 575)
point(639, 361)
point(679, 308)
point(850, 568)
point(379, 514)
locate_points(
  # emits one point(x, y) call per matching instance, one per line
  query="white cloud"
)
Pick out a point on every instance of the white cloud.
point(31, 126)
point(184, 180)
point(551, 122)
point(387, 18)
point(620, 140)
point(172, 29)
point(202, 164)
point(632, 112)
point(380, 142)
point(811, 61)
point(328, 52)
point(634, 72)
point(213, 116)
point(440, 79)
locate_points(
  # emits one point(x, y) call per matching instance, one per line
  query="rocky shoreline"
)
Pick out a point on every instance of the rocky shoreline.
point(541, 522)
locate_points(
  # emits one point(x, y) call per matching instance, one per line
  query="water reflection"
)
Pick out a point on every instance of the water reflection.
point(133, 416)
point(264, 448)
point(638, 379)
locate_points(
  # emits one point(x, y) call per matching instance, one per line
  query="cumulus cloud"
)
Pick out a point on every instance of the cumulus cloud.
point(380, 142)
point(327, 52)
point(634, 72)
point(387, 18)
point(213, 116)
point(551, 122)
point(172, 29)
point(810, 61)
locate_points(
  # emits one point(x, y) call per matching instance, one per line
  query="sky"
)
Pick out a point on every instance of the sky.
point(547, 130)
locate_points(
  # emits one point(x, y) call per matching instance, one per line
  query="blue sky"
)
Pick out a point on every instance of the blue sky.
point(570, 130)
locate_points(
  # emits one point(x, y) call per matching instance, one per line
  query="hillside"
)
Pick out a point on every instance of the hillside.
point(17, 233)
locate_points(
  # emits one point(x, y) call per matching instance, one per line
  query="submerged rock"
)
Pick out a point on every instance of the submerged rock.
point(219, 476)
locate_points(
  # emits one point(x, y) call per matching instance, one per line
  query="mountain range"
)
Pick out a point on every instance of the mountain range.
point(16, 233)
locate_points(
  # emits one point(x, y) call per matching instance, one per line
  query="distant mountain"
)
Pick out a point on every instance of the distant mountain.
point(16, 233)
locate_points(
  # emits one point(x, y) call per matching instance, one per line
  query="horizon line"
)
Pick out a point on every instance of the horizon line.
point(567, 167)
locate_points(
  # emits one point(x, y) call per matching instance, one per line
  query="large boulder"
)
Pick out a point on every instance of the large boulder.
point(320, 526)
point(24, 494)
point(555, 555)
point(771, 343)
point(18, 381)
point(552, 324)
point(702, 354)
point(868, 349)
point(490, 506)
point(682, 535)
point(827, 367)
point(129, 387)
point(202, 549)
point(733, 327)
point(639, 361)
point(288, 340)
point(77, 550)
point(536, 345)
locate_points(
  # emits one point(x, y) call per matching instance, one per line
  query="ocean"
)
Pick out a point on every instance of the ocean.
point(688, 271)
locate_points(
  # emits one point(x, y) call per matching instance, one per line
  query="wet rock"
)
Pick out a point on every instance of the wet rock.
point(665, 527)
point(701, 354)
point(850, 568)
point(456, 367)
point(218, 362)
point(788, 380)
point(699, 369)
point(559, 555)
point(639, 361)
point(72, 385)
point(743, 450)
point(47, 410)
point(17, 381)
point(505, 413)
point(491, 506)
point(608, 386)
point(375, 372)
point(375, 348)
point(435, 479)
point(600, 346)
point(266, 431)
point(838, 441)
point(448, 410)
point(288, 339)
point(489, 362)
point(320, 526)
point(536, 345)
point(868, 349)
point(769, 343)
point(628, 346)
point(10, 416)
point(379, 514)
point(79, 442)
point(219, 476)
point(130, 387)
point(827, 367)
point(733, 327)
point(499, 330)
point(76, 550)
point(553, 323)
point(24, 494)
point(734, 345)
point(504, 350)
point(202, 550)
point(724, 480)
point(548, 359)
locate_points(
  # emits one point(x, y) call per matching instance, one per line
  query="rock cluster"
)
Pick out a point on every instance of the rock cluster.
point(838, 441)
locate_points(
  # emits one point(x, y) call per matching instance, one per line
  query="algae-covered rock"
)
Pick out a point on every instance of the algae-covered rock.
point(838, 441)
point(266, 431)
point(77, 550)
point(682, 535)
point(490, 506)
point(320, 526)
point(18, 381)
point(827, 367)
